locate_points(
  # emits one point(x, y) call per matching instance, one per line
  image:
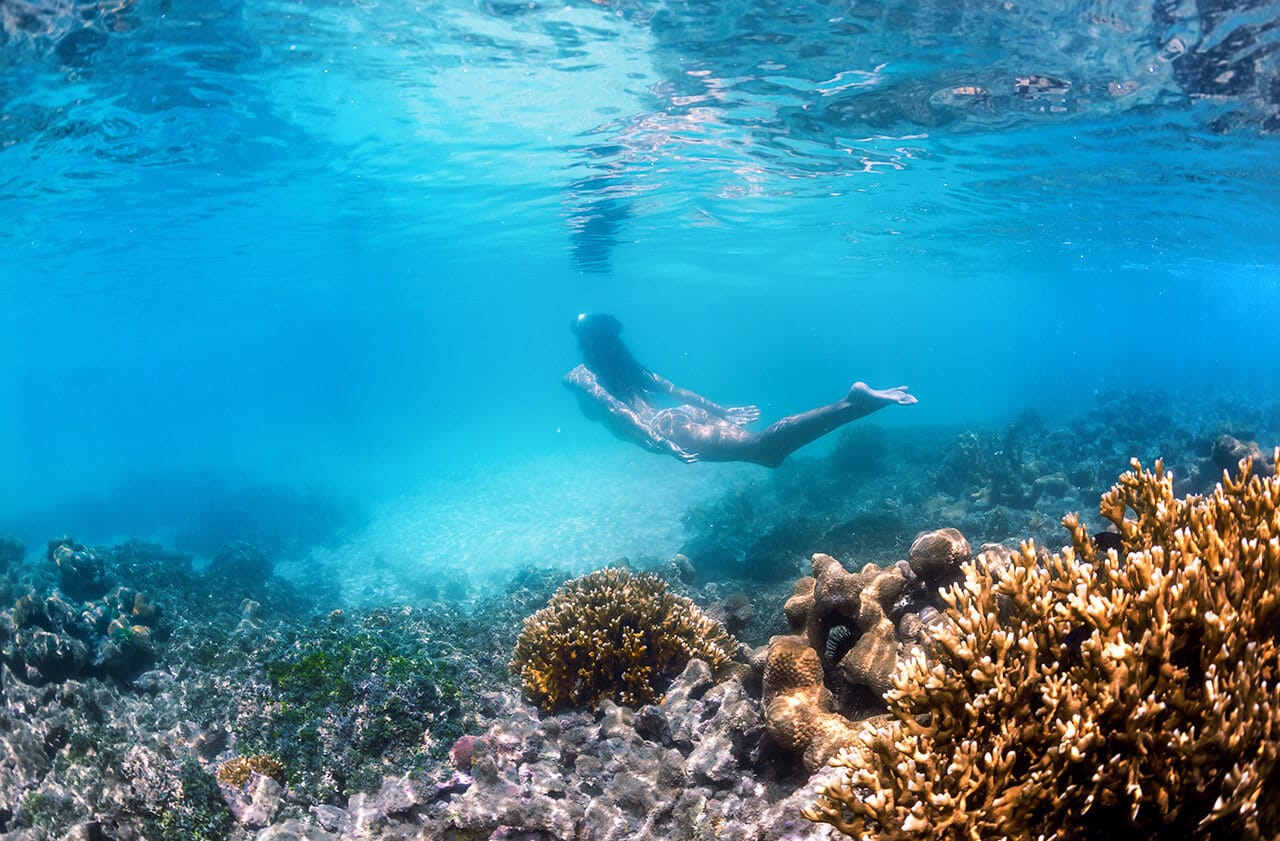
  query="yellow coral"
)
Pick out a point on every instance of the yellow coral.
point(238, 770)
point(1081, 696)
point(612, 634)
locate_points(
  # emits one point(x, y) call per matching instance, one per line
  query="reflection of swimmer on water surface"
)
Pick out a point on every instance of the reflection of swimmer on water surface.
point(74, 28)
point(615, 389)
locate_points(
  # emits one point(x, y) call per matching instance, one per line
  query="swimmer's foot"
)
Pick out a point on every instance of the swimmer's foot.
point(868, 399)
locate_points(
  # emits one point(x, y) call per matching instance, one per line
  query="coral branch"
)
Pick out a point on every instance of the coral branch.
point(1084, 694)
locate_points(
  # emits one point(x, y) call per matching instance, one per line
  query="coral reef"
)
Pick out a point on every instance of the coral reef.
point(253, 788)
point(846, 616)
point(88, 759)
point(991, 483)
point(1085, 694)
point(198, 812)
point(382, 713)
point(48, 639)
point(936, 556)
point(857, 622)
point(204, 511)
point(12, 551)
point(1229, 451)
point(137, 758)
point(241, 562)
point(614, 634)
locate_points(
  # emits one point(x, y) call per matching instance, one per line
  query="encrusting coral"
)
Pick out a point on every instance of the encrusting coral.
point(614, 634)
point(1086, 694)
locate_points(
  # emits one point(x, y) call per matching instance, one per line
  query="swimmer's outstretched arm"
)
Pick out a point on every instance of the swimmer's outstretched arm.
point(739, 415)
point(581, 380)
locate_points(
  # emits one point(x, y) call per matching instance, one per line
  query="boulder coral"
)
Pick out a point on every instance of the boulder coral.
point(849, 630)
point(81, 571)
point(858, 622)
point(50, 639)
point(617, 635)
point(1089, 693)
point(798, 707)
point(936, 556)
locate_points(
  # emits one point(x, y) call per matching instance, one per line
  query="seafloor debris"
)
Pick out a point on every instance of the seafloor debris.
point(614, 634)
point(1081, 695)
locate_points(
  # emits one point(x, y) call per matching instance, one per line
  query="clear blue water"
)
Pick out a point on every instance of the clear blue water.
point(337, 245)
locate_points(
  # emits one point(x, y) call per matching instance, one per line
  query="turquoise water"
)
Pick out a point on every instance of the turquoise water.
point(336, 246)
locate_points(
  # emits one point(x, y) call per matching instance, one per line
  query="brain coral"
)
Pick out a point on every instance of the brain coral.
point(614, 634)
point(1084, 695)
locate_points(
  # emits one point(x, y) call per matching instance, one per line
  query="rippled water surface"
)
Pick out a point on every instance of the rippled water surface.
point(339, 242)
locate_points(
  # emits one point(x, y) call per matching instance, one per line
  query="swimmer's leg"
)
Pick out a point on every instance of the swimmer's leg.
point(871, 399)
point(771, 446)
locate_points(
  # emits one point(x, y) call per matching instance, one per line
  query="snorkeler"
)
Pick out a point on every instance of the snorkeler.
point(612, 387)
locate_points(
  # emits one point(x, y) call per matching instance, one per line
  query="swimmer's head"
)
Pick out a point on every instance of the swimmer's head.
point(594, 327)
point(605, 354)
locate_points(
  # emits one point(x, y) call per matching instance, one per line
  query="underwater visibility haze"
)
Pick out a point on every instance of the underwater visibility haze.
point(340, 242)
point(297, 276)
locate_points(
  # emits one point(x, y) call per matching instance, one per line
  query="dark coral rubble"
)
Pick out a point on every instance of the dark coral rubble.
point(679, 769)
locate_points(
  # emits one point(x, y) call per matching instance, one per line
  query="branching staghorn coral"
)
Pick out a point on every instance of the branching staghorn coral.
point(612, 634)
point(1083, 695)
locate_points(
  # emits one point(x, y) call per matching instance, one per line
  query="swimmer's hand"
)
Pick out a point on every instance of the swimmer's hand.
point(742, 415)
point(683, 454)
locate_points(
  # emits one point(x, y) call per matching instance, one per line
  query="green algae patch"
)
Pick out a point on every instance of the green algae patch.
point(199, 813)
point(354, 700)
